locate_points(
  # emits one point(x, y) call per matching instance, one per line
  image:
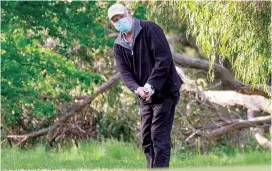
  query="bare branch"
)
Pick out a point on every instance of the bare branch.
point(238, 124)
point(219, 71)
point(233, 98)
point(76, 108)
point(258, 133)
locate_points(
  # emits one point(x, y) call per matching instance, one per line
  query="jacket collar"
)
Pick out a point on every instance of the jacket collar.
point(136, 30)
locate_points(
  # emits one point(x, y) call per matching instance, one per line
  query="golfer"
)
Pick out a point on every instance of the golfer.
point(144, 60)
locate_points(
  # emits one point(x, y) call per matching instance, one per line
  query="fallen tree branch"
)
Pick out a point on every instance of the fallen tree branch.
point(76, 108)
point(82, 103)
point(219, 71)
point(238, 124)
point(233, 98)
point(258, 132)
point(28, 136)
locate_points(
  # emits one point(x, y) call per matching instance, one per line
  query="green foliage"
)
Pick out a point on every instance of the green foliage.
point(36, 78)
point(67, 21)
point(168, 18)
point(237, 31)
point(140, 12)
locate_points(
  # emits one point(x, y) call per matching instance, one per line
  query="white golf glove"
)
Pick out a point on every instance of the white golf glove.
point(149, 89)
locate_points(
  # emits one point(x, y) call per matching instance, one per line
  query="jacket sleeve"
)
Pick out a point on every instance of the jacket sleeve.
point(162, 54)
point(124, 70)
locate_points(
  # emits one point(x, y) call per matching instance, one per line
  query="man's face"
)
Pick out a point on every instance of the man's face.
point(117, 17)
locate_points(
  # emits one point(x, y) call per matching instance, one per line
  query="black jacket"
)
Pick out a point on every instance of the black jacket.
point(148, 60)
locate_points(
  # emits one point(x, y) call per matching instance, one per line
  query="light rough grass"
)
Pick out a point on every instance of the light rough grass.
point(113, 154)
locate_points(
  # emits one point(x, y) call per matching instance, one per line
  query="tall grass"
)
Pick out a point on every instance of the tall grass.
point(114, 154)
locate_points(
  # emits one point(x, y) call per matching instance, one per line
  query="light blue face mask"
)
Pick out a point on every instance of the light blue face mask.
point(123, 25)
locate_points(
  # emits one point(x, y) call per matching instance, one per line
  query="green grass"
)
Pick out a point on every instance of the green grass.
point(113, 154)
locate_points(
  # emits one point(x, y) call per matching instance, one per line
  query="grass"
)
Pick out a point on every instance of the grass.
point(113, 154)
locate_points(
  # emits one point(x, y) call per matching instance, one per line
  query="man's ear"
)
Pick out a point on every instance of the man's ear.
point(129, 12)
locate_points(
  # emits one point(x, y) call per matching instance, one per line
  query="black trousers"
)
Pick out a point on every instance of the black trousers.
point(157, 116)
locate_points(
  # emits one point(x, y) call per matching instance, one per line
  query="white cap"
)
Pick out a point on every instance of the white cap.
point(116, 9)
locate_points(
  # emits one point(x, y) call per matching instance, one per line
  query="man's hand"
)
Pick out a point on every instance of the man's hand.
point(148, 88)
point(142, 92)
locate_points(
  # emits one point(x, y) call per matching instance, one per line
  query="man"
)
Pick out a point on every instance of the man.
point(144, 60)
